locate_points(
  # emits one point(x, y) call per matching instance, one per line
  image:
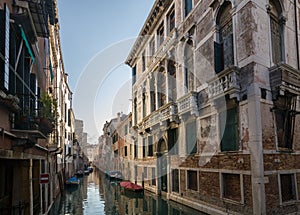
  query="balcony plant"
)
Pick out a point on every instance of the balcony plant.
point(47, 113)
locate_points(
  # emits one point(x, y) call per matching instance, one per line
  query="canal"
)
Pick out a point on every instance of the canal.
point(97, 195)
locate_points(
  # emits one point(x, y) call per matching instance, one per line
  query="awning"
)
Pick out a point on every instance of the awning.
point(27, 44)
point(51, 69)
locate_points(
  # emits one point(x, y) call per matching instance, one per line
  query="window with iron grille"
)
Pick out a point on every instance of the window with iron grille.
point(192, 180)
point(288, 188)
point(231, 186)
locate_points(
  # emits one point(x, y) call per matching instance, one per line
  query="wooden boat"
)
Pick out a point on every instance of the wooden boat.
point(114, 175)
point(90, 169)
point(79, 173)
point(72, 181)
point(127, 185)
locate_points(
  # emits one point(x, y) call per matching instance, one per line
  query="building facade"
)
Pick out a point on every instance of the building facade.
point(26, 107)
point(215, 88)
point(36, 117)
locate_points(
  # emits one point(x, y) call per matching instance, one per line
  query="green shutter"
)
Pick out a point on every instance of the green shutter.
point(230, 136)
point(191, 137)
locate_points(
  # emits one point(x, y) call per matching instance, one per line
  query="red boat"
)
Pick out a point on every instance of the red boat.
point(127, 185)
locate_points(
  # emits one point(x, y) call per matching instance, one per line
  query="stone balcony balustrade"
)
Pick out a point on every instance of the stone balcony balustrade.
point(188, 103)
point(226, 82)
point(166, 112)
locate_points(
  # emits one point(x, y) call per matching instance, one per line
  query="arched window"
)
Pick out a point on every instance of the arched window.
point(224, 55)
point(189, 66)
point(276, 25)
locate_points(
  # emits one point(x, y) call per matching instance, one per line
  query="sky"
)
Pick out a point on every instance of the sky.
point(96, 37)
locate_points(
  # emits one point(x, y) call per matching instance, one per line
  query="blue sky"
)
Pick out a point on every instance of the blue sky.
point(92, 33)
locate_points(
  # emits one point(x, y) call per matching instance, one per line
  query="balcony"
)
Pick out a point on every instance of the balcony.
point(284, 78)
point(9, 101)
point(164, 113)
point(163, 48)
point(39, 127)
point(226, 82)
point(188, 103)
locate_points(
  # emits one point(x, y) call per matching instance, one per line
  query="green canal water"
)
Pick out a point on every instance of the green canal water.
point(97, 195)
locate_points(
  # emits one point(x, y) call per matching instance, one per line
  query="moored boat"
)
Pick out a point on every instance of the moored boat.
point(114, 175)
point(79, 173)
point(127, 185)
point(72, 181)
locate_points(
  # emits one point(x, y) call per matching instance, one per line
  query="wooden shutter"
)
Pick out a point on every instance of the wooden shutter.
point(230, 136)
point(191, 137)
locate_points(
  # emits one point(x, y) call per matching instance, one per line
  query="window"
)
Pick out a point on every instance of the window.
point(171, 19)
point(192, 180)
point(152, 95)
point(229, 130)
point(223, 48)
point(151, 48)
point(150, 146)
point(125, 151)
point(135, 149)
point(161, 86)
point(172, 141)
point(160, 35)
point(172, 80)
point(144, 61)
point(126, 129)
point(144, 147)
point(276, 22)
point(145, 172)
point(133, 75)
point(135, 111)
point(188, 5)
point(189, 66)
point(231, 186)
point(153, 177)
point(144, 105)
point(175, 180)
point(288, 188)
point(285, 109)
point(191, 137)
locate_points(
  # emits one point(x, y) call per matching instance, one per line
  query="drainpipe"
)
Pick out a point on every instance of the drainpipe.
point(30, 187)
point(296, 32)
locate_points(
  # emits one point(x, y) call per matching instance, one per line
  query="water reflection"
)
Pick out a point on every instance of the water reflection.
point(98, 195)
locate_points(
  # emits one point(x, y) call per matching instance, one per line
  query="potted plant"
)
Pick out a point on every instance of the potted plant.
point(47, 113)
